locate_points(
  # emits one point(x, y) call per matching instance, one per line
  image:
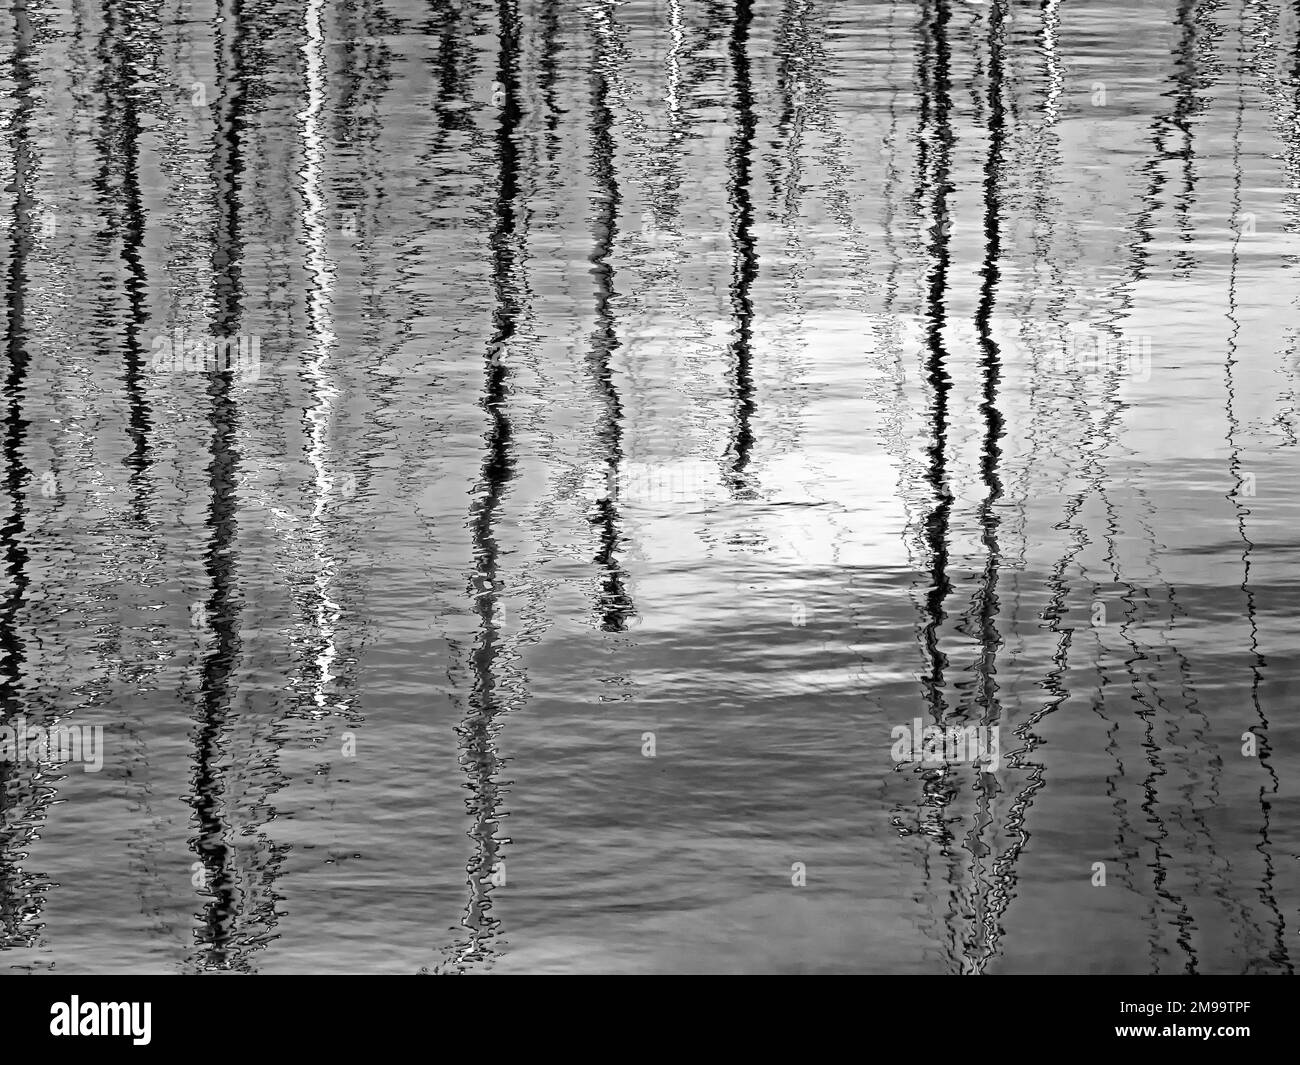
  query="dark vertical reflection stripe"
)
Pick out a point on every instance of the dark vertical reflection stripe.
point(935, 140)
point(451, 80)
point(614, 606)
point(121, 54)
point(1186, 106)
point(212, 844)
point(1295, 54)
point(18, 359)
point(986, 597)
point(1045, 159)
point(910, 473)
point(745, 258)
point(1178, 119)
point(13, 903)
point(548, 73)
point(479, 757)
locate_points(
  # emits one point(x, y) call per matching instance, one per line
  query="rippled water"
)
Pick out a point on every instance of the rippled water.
point(636, 413)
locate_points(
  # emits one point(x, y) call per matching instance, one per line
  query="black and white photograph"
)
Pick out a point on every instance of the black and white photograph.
point(650, 487)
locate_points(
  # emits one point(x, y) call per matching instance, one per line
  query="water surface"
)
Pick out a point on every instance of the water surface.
point(728, 382)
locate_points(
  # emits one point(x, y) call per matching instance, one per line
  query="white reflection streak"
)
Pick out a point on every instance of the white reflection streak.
point(674, 64)
point(1052, 61)
point(318, 315)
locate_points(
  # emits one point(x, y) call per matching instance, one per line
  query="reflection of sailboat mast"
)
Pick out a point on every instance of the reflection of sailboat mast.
point(451, 84)
point(990, 357)
point(320, 415)
point(1178, 119)
point(1278, 954)
point(656, 167)
point(934, 157)
point(909, 469)
point(125, 47)
point(16, 473)
point(1004, 875)
point(548, 71)
point(745, 268)
point(1152, 703)
point(222, 606)
point(1148, 705)
point(1184, 110)
point(1045, 161)
point(124, 114)
point(13, 898)
point(479, 756)
point(615, 606)
point(986, 600)
point(939, 131)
